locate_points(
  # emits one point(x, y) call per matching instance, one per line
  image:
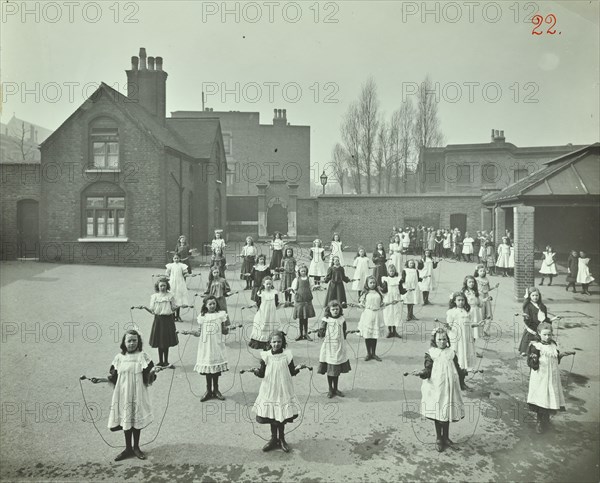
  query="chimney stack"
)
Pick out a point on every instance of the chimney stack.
point(148, 86)
point(279, 118)
point(142, 58)
point(497, 136)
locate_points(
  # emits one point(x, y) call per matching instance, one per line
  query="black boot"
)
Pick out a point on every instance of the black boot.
point(208, 394)
point(282, 442)
point(273, 442)
point(426, 298)
point(128, 452)
point(439, 441)
point(390, 332)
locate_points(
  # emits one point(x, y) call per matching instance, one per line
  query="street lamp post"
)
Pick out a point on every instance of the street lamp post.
point(323, 180)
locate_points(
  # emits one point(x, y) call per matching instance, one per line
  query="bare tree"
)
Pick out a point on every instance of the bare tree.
point(25, 143)
point(383, 157)
point(406, 121)
point(426, 131)
point(368, 121)
point(339, 161)
point(350, 132)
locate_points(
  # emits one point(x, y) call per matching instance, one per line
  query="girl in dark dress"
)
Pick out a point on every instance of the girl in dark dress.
point(572, 269)
point(336, 277)
point(183, 250)
point(258, 273)
point(303, 307)
point(534, 313)
point(379, 260)
point(288, 274)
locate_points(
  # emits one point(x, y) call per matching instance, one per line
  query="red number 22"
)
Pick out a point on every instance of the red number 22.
point(538, 20)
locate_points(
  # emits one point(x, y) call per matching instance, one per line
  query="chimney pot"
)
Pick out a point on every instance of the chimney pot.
point(150, 63)
point(274, 113)
point(135, 62)
point(142, 58)
point(284, 114)
point(159, 63)
point(501, 134)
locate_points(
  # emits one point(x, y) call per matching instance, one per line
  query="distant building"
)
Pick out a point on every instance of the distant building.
point(20, 140)
point(480, 169)
point(268, 170)
point(120, 182)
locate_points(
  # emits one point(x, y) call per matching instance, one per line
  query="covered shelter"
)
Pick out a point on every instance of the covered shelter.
point(558, 205)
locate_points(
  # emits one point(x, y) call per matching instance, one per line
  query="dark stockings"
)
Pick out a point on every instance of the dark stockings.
point(371, 346)
point(163, 355)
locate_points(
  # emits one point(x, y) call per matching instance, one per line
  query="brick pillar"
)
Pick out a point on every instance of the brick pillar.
point(500, 224)
point(292, 210)
point(262, 209)
point(486, 219)
point(523, 243)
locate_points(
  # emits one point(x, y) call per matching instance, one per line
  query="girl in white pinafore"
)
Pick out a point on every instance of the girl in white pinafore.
point(410, 281)
point(548, 265)
point(177, 272)
point(471, 292)
point(503, 256)
point(266, 320)
point(361, 272)
point(333, 358)
point(584, 277)
point(426, 267)
point(371, 324)
point(392, 292)
point(395, 252)
point(443, 377)
point(458, 322)
point(336, 249)
point(317, 267)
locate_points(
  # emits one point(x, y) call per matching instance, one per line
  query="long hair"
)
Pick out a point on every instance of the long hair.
point(527, 300)
point(285, 250)
point(358, 252)
point(475, 287)
point(366, 288)
point(131, 332)
point(204, 309)
point(453, 298)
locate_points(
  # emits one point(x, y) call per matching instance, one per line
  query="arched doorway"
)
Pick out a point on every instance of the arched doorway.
point(277, 216)
point(458, 220)
point(28, 233)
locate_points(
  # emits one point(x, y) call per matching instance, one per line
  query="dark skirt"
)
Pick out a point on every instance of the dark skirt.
point(257, 344)
point(303, 310)
point(276, 259)
point(247, 265)
point(255, 290)
point(163, 333)
point(261, 420)
point(378, 272)
point(336, 291)
point(572, 277)
point(334, 370)
point(286, 280)
point(525, 340)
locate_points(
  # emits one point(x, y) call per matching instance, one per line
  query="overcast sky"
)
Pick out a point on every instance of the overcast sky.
point(492, 71)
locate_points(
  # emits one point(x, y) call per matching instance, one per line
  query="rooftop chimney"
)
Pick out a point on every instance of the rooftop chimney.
point(279, 118)
point(142, 58)
point(148, 86)
point(497, 136)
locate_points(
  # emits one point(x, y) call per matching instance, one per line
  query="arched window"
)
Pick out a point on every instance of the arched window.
point(104, 144)
point(104, 211)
